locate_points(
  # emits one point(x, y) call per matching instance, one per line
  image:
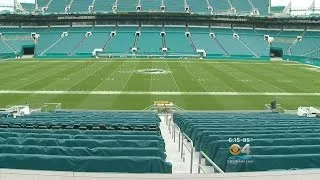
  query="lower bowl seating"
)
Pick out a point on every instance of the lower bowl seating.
point(42, 142)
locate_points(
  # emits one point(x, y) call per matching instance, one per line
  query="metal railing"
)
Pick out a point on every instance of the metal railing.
point(183, 135)
point(215, 166)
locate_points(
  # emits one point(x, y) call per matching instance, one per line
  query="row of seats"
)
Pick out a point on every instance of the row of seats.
point(195, 6)
point(251, 43)
point(273, 141)
point(83, 150)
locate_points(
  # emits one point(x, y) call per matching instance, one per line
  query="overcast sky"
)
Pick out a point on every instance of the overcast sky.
point(295, 3)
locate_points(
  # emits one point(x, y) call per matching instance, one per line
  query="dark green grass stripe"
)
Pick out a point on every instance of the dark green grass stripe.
point(25, 71)
point(139, 81)
point(140, 102)
point(265, 74)
point(229, 80)
point(47, 80)
point(183, 78)
point(95, 79)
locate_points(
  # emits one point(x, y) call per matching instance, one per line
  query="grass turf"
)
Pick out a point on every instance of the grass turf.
point(182, 76)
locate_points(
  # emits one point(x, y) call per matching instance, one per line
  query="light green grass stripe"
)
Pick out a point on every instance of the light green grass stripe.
point(160, 93)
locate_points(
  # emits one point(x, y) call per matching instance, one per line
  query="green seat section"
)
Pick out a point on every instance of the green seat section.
point(90, 143)
point(262, 6)
point(58, 6)
point(204, 41)
point(277, 9)
point(311, 34)
point(242, 7)
point(306, 45)
point(150, 5)
point(80, 6)
point(277, 162)
point(92, 138)
point(45, 41)
point(220, 6)
point(18, 41)
point(82, 151)
point(198, 6)
point(86, 164)
point(95, 41)
point(127, 5)
point(178, 43)
point(5, 51)
point(174, 6)
point(66, 44)
point(96, 137)
point(256, 43)
point(28, 6)
point(263, 134)
point(103, 5)
point(43, 3)
point(76, 132)
point(150, 42)
point(121, 43)
point(233, 46)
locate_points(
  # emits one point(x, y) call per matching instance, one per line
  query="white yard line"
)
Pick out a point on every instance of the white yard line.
point(51, 72)
point(160, 93)
point(196, 78)
point(80, 80)
point(235, 77)
point(135, 67)
point(174, 80)
point(258, 79)
point(115, 70)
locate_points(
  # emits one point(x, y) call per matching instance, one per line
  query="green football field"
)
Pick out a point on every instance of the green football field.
point(135, 84)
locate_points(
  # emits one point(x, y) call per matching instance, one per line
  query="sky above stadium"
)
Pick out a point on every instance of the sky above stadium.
point(296, 4)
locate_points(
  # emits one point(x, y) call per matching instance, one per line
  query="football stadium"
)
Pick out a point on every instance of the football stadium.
point(159, 89)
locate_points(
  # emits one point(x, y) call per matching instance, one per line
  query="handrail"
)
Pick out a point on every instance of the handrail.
point(215, 166)
point(190, 150)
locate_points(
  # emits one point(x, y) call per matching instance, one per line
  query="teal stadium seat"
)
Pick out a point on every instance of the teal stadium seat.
point(58, 6)
point(270, 136)
point(220, 6)
point(127, 5)
point(80, 6)
point(198, 6)
point(174, 6)
point(100, 150)
point(103, 5)
point(242, 7)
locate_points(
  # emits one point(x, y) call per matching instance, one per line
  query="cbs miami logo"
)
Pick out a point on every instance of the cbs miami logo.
point(236, 149)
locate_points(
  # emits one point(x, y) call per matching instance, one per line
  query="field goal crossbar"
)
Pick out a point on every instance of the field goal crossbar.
point(50, 107)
